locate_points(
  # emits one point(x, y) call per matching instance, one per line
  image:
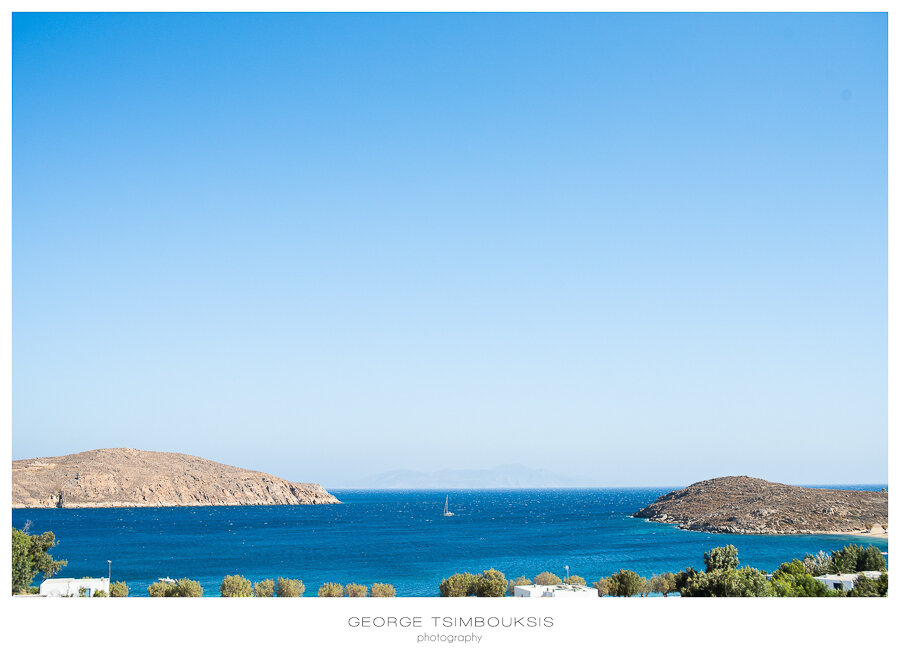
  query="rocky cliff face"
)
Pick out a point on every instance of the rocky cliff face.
point(127, 477)
point(744, 505)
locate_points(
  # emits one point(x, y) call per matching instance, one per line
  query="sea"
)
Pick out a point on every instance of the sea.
point(399, 537)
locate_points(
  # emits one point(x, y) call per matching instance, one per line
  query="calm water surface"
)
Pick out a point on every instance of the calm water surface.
point(399, 537)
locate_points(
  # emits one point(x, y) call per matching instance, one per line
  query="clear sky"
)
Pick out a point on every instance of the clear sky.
point(638, 249)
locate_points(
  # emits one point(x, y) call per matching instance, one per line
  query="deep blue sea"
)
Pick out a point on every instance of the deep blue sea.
point(399, 537)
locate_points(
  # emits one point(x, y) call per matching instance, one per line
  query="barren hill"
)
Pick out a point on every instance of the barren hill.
point(127, 477)
point(744, 505)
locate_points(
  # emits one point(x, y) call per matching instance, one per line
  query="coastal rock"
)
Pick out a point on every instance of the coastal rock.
point(127, 477)
point(745, 505)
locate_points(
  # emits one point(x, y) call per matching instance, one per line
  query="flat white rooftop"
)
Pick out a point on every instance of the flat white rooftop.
point(555, 591)
point(872, 575)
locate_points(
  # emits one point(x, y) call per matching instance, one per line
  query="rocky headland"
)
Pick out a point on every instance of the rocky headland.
point(127, 477)
point(745, 505)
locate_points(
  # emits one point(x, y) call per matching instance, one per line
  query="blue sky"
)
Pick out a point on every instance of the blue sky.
point(639, 249)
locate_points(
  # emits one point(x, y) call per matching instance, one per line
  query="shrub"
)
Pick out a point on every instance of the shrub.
point(576, 580)
point(519, 581)
point(625, 583)
point(382, 591)
point(236, 586)
point(547, 579)
point(355, 591)
point(602, 586)
point(118, 590)
point(264, 589)
point(331, 590)
point(459, 585)
point(82, 591)
point(285, 588)
point(100, 593)
point(491, 584)
point(724, 558)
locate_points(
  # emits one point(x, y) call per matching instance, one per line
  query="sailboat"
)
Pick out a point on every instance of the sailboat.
point(447, 511)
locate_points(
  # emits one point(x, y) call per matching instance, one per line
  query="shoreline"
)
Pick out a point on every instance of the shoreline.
point(872, 535)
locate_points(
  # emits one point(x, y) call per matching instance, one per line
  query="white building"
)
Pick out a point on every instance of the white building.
point(845, 581)
point(555, 591)
point(59, 587)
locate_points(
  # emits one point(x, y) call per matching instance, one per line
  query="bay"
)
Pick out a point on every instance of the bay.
point(399, 537)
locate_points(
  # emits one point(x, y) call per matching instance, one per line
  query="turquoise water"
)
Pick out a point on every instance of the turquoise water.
point(399, 537)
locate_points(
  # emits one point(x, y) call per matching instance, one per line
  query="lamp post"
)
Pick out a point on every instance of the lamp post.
point(109, 577)
point(567, 574)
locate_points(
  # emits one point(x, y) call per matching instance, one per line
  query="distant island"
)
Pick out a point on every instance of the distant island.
point(127, 477)
point(505, 476)
point(745, 505)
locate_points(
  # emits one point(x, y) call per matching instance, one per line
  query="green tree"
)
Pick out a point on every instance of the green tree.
point(645, 587)
point(30, 556)
point(750, 582)
point(547, 579)
point(724, 558)
point(740, 583)
point(576, 580)
point(22, 570)
point(792, 580)
point(235, 586)
point(842, 563)
point(625, 583)
point(853, 558)
point(490, 584)
point(881, 584)
point(356, 591)
point(683, 577)
point(286, 588)
point(870, 559)
point(458, 585)
point(664, 583)
point(818, 564)
point(264, 589)
point(99, 593)
point(602, 586)
point(158, 589)
point(331, 590)
point(118, 590)
point(183, 588)
point(382, 591)
point(519, 581)
point(863, 587)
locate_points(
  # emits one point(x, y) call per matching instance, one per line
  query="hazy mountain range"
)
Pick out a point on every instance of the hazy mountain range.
point(507, 476)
